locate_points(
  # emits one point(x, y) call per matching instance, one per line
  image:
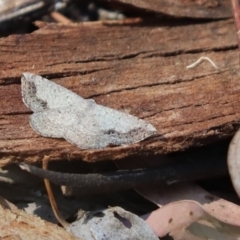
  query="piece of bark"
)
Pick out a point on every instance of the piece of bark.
point(209, 9)
point(136, 69)
point(16, 224)
point(10, 9)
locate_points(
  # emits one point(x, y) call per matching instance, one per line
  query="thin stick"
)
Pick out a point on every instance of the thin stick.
point(94, 183)
point(19, 10)
point(193, 65)
point(60, 18)
point(51, 197)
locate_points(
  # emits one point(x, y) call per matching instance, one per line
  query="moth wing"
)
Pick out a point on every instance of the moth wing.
point(86, 134)
point(61, 113)
point(39, 94)
point(53, 122)
point(70, 125)
point(122, 127)
point(102, 126)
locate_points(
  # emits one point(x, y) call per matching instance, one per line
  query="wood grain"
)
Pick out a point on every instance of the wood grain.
point(132, 67)
point(16, 224)
point(208, 9)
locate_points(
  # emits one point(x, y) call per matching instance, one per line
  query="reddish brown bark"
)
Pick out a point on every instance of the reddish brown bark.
point(131, 67)
point(209, 9)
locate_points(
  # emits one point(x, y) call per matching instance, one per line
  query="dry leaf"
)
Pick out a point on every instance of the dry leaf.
point(113, 223)
point(175, 217)
point(221, 214)
point(234, 162)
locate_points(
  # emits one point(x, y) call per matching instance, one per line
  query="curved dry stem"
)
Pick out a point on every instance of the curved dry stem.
point(51, 197)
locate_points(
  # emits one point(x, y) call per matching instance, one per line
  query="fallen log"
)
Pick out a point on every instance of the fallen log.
point(130, 66)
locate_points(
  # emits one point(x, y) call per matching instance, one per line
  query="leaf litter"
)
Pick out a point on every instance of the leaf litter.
point(182, 214)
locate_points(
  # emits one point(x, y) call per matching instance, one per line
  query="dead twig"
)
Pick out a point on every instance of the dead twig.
point(51, 197)
point(58, 17)
point(121, 180)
